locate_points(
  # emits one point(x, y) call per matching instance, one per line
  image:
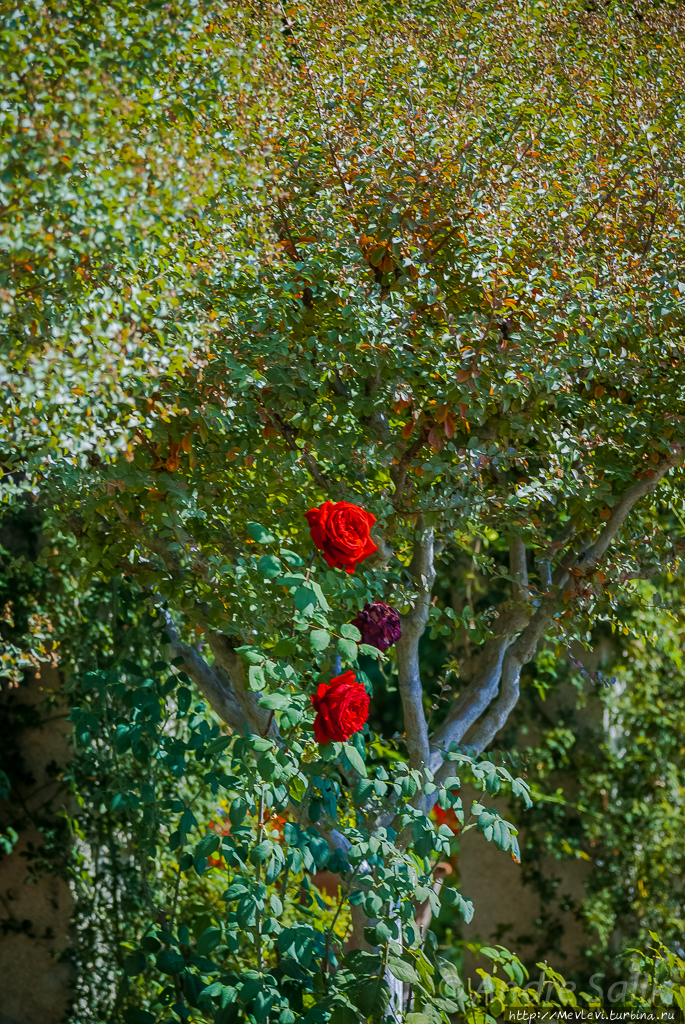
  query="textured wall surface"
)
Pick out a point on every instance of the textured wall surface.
point(507, 911)
point(35, 909)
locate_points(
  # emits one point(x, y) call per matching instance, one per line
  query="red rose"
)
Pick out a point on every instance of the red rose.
point(341, 531)
point(342, 707)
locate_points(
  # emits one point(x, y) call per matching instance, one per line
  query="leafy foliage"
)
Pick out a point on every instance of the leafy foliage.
point(421, 260)
point(622, 812)
point(206, 853)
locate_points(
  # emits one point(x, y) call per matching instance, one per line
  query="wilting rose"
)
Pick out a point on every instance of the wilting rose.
point(379, 625)
point(341, 531)
point(342, 707)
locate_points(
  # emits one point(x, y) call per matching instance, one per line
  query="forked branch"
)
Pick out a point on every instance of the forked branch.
point(494, 687)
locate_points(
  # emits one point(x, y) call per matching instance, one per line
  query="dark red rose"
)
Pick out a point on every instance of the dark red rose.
point(342, 707)
point(379, 625)
point(341, 531)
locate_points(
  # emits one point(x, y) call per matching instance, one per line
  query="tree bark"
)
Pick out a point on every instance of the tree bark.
point(414, 622)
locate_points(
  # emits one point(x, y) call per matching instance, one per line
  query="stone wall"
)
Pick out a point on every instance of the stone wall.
point(35, 900)
point(507, 910)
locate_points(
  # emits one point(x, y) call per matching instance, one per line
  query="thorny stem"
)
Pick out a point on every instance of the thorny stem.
point(329, 931)
point(177, 887)
point(258, 873)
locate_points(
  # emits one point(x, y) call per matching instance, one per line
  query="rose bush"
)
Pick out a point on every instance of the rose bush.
point(379, 625)
point(342, 531)
point(342, 707)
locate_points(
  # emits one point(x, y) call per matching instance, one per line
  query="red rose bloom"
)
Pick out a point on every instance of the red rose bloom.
point(341, 531)
point(342, 707)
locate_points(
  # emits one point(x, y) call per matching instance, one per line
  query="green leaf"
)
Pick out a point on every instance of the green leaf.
point(319, 639)
point(486, 821)
point(260, 534)
point(134, 1015)
point(261, 852)
point(343, 1013)
point(362, 791)
point(501, 836)
point(316, 587)
point(237, 811)
point(520, 787)
point(361, 963)
point(371, 996)
point(466, 909)
point(236, 890)
point(135, 963)
point(449, 895)
point(255, 676)
point(297, 788)
point(269, 566)
point(207, 846)
point(285, 647)
point(219, 744)
point(184, 697)
point(402, 970)
point(251, 654)
point(275, 701)
point(350, 632)
point(246, 911)
point(370, 651)
point(224, 1015)
point(170, 962)
point(305, 600)
point(449, 1006)
point(291, 579)
point(208, 940)
point(348, 649)
point(213, 990)
point(276, 905)
point(450, 973)
point(355, 759)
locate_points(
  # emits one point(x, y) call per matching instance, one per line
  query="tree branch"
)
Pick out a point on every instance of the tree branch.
point(259, 719)
point(501, 707)
point(414, 622)
point(518, 569)
point(641, 574)
point(232, 680)
point(380, 558)
point(504, 658)
point(156, 545)
point(621, 511)
point(289, 433)
point(478, 696)
point(399, 472)
point(214, 685)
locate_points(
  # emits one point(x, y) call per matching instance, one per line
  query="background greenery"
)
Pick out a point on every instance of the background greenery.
point(421, 257)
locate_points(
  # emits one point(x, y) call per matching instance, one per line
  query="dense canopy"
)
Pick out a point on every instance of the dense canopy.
point(421, 258)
